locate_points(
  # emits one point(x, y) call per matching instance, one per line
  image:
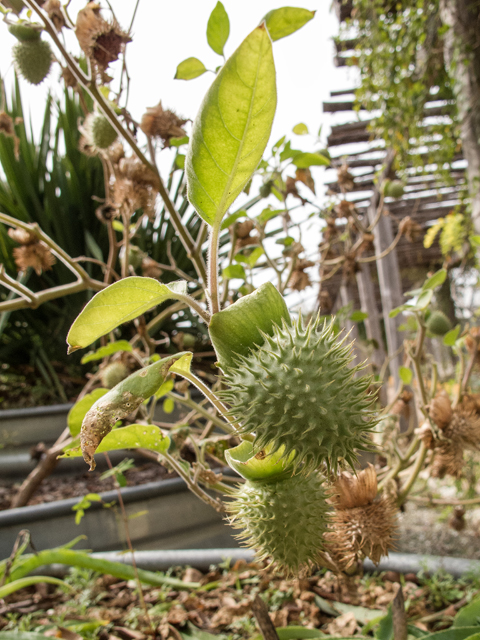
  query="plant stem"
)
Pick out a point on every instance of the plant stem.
point(191, 404)
point(212, 266)
point(422, 452)
point(192, 303)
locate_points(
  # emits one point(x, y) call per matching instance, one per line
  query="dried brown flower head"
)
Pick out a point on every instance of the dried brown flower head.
point(162, 123)
point(350, 265)
point(151, 268)
point(330, 231)
point(305, 176)
point(363, 525)
point(22, 236)
point(344, 209)
point(448, 459)
point(55, 13)
point(116, 152)
point(345, 178)
point(36, 255)
point(100, 40)
point(68, 78)
point(299, 280)
point(464, 427)
point(471, 402)
point(243, 229)
point(6, 127)
point(106, 212)
point(410, 229)
point(440, 409)
point(135, 170)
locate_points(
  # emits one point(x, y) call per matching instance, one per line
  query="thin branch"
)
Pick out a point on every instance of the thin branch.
point(213, 270)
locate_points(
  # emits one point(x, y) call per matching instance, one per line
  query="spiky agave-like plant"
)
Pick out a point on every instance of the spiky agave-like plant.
point(298, 391)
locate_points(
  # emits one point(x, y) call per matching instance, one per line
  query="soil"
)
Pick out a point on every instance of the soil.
point(59, 488)
point(224, 607)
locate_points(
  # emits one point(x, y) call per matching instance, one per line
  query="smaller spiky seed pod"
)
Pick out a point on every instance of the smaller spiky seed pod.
point(362, 524)
point(33, 60)
point(103, 134)
point(284, 519)
point(25, 32)
point(113, 373)
point(298, 391)
point(438, 323)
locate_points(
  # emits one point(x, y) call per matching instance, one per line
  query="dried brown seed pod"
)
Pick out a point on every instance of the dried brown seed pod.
point(36, 255)
point(410, 229)
point(345, 178)
point(355, 491)
point(162, 123)
point(100, 40)
point(440, 409)
point(54, 10)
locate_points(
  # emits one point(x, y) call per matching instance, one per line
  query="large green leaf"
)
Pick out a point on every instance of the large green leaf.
point(120, 302)
point(282, 22)
point(469, 615)
point(218, 28)
point(460, 633)
point(131, 437)
point(232, 128)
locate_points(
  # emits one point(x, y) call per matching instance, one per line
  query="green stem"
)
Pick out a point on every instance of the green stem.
point(192, 303)
point(85, 561)
point(212, 266)
point(191, 404)
point(422, 452)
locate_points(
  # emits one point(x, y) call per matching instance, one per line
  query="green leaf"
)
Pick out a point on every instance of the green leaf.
point(405, 374)
point(178, 142)
point(300, 129)
point(251, 259)
point(189, 69)
point(358, 316)
point(297, 633)
point(451, 336)
point(168, 405)
point(21, 635)
point(165, 388)
point(180, 160)
point(107, 350)
point(232, 128)
point(436, 280)
point(182, 365)
point(229, 220)
point(460, 633)
point(243, 460)
point(21, 583)
point(239, 327)
point(304, 160)
point(120, 302)
point(282, 22)
point(424, 300)
point(362, 614)
point(234, 271)
point(268, 213)
point(146, 436)
point(469, 615)
point(218, 28)
point(475, 240)
point(77, 412)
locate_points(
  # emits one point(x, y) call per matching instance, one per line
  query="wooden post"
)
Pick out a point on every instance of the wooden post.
point(368, 304)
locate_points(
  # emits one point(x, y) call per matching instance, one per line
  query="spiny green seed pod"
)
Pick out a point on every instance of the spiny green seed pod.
point(24, 32)
point(103, 134)
point(297, 391)
point(33, 60)
point(438, 323)
point(113, 373)
point(284, 519)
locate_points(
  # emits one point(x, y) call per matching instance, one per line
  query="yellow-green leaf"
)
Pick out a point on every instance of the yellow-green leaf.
point(232, 128)
point(300, 129)
point(218, 28)
point(78, 411)
point(107, 350)
point(189, 69)
point(286, 20)
point(132, 437)
point(304, 160)
point(120, 302)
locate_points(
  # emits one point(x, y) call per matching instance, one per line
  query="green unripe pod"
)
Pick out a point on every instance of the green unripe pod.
point(24, 32)
point(298, 393)
point(284, 519)
point(265, 190)
point(395, 189)
point(103, 134)
point(113, 373)
point(33, 60)
point(438, 323)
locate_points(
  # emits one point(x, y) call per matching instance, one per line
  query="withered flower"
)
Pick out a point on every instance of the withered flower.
point(299, 279)
point(345, 178)
point(54, 10)
point(151, 268)
point(243, 233)
point(100, 40)
point(31, 252)
point(363, 525)
point(440, 409)
point(6, 127)
point(162, 123)
point(305, 176)
point(410, 229)
point(135, 170)
point(344, 209)
point(330, 231)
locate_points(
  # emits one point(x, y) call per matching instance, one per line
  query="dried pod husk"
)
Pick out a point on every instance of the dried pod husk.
point(283, 519)
point(440, 409)
point(162, 123)
point(32, 252)
point(345, 178)
point(100, 40)
point(135, 170)
point(118, 403)
point(363, 525)
point(448, 459)
point(300, 280)
point(298, 391)
point(344, 209)
point(464, 427)
point(54, 10)
point(471, 402)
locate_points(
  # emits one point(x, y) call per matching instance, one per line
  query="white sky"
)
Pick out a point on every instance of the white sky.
point(165, 33)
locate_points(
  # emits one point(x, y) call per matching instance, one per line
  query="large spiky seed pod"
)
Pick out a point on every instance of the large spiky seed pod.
point(298, 391)
point(33, 59)
point(283, 519)
point(363, 525)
